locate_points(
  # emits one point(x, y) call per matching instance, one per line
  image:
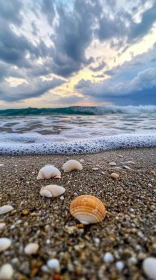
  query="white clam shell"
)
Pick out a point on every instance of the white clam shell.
point(52, 191)
point(72, 165)
point(4, 244)
point(31, 248)
point(5, 209)
point(6, 272)
point(149, 267)
point(49, 171)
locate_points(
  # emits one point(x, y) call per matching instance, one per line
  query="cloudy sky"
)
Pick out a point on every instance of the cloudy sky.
point(56, 53)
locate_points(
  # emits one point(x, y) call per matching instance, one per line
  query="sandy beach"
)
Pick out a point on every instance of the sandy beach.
point(127, 232)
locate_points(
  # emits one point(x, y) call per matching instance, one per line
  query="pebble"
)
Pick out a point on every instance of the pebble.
point(108, 257)
point(127, 167)
point(1, 164)
point(44, 268)
point(112, 163)
point(149, 185)
point(5, 209)
point(54, 264)
point(62, 197)
point(2, 225)
point(48, 241)
point(115, 175)
point(6, 272)
point(12, 226)
point(4, 244)
point(14, 260)
point(81, 160)
point(95, 168)
point(120, 265)
point(132, 260)
point(149, 267)
point(31, 248)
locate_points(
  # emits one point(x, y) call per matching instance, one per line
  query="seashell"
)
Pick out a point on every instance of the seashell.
point(115, 175)
point(5, 209)
point(6, 272)
point(87, 209)
point(149, 267)
point(2, 225)
point(72, 165)
point(49, 171)
point(4, 244)
point(31, 248)
point(52, 191)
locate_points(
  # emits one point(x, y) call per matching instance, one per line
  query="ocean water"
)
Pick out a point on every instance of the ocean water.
point(76, 130)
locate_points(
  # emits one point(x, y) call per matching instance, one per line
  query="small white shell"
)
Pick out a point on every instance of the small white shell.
point(52, 191)
point(149, 267)
point(72, 165)
point(5, 209)
point(31, 248)
point(54, 264)
point(4, 244)
point(6, 272)
point(2, 225)
point(49, 171)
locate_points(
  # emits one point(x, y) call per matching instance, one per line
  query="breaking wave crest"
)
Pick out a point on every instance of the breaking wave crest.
point(79, 110)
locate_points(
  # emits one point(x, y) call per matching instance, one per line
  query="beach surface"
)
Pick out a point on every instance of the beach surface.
point(127, 232)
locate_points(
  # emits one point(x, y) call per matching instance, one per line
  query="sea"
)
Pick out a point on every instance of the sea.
point(76, 129)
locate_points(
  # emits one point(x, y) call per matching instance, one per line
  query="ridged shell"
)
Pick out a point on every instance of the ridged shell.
point(49, 171)
point(72, 165)
point(52, 191)
point(5, 209)
point(87, 209)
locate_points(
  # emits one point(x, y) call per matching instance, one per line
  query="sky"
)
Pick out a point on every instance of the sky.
point(57, 53)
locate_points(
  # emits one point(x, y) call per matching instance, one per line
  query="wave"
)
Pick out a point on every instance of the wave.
point(80, 110)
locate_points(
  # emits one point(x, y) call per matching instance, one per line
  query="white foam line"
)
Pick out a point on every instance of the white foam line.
point(76, 147)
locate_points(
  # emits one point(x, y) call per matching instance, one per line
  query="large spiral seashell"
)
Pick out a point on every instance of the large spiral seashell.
point(87, 209)
point(72, 165)
point(52, 191)
point(49, 171)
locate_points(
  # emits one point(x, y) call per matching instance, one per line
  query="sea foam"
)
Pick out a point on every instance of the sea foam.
point(34, 144)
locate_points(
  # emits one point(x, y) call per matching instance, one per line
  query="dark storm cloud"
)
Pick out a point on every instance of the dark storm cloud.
point(47, 7)
point(28, 90)
point(10, 11)
point(107, 90)
point(73, 30)
point(98, 68)
point(139, 30)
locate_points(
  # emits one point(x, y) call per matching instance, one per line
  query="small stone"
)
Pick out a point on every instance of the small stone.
point(149, 185)
point(5, 209)
point(2, 225)
point(108, 257)
point(81, 160)
point(54, 264)
point(112, 163)
point(115, 175)
point(48, 241)
point(19, 222)
point(44, 268)
point(149, 267)
point(14, 260)
point(12, 226)
point(62, 197)
point(95, 168)
point(6, 272)
point(97, 241)
point(127, 167)
point(132, 260)
point(119, 265)
point(4, 244)
point(25, 212)
point(31, 248)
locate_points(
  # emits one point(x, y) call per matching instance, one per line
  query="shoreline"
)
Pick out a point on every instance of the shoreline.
point(127, 232)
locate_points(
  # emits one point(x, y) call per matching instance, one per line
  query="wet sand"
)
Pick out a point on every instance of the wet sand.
point(127, 232)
